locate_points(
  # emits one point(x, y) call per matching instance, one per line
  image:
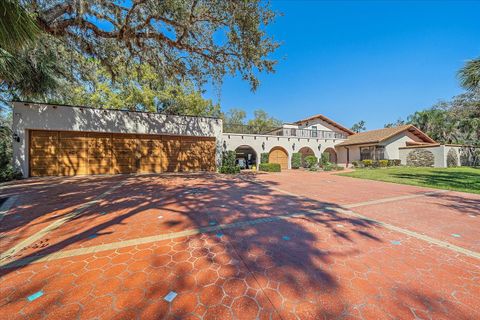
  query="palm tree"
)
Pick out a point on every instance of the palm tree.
point(17, 27)
point(470, 75)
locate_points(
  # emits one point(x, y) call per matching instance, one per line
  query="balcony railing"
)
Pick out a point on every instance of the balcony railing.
point(286, 132)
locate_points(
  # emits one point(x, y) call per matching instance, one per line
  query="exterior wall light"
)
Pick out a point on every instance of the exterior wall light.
point(16, 137)
point(263, 145)
point(224, 145)
point(293, 146)
point(319, 147)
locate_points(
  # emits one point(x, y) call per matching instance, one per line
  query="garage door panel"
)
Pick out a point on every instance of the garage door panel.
point(74, 153)
point(49, 151)
point(72, 170)
point(39, 172)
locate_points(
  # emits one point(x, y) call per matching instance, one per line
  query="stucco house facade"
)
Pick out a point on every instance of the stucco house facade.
point(50, 140)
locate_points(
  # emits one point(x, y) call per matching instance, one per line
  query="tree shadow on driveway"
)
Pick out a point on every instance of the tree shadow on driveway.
point(288, 262)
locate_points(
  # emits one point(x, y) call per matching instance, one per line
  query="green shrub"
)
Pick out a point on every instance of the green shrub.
point(325, 158)
point(264, 157)
point(270, 167)
point(228, 163)
point(383, 163)
point(367, 163)
point(310, 161)
point(296, 160)
point(328, 167)
point(339, 168)
point(7, 172)
point(356, 164)
point(229, 170)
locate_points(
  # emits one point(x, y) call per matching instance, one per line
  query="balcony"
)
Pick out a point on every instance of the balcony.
point(285, 132)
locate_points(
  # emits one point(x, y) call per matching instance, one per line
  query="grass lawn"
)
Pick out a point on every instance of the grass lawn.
point(459, 179)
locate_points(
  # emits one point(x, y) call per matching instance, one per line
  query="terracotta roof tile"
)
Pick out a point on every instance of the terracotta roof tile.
point(327, 120)
point(379, 135)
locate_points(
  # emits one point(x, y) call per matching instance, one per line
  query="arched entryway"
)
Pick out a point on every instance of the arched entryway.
point(246, 157)
point(280, 156)
point(332, 155)
point(305, 152)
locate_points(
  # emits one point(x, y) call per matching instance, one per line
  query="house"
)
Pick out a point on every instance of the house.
point(50, 140)
point(319, 134)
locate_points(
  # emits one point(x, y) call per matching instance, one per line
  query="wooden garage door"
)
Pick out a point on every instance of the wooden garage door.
point(74, 153)
point(278, 155)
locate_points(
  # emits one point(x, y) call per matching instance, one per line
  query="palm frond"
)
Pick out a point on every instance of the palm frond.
point(17, 27)
point(470, 75)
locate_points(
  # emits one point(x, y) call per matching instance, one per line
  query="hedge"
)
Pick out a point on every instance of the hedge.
point(296, 160)
point(325, 158)
point(311, 161)
point(264, 157)
point(228, 163)
point(270, 167)
point(383, 163)
point(376, 163)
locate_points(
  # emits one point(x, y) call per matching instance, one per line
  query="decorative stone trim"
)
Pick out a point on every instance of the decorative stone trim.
point(420, 158)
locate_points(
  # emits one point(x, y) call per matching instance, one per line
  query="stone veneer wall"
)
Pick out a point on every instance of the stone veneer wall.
point(420, 158)
point(452, 158)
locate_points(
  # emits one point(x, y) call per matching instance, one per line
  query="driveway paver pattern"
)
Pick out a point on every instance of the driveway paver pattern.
point(284, 253)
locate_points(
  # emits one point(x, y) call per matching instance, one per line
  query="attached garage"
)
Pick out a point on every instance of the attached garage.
point(55, 153)
point(64, 140)
point(280, 156)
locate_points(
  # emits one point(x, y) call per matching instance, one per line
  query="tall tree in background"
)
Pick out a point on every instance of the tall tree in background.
point(234, 116)
point(262, 122)
point(359, 126)
point(137, 87)
point(470, 75)
point(194, 40)
point(234, 121)
point(397, 123)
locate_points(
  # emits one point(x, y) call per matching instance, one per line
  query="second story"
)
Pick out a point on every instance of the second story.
point(315, 127)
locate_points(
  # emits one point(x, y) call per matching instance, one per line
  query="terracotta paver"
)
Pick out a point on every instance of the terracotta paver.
point(448, 216)
point(286, 254)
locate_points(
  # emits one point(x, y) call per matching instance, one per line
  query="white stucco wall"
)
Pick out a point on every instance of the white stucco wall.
point(65, 118)
point(440, 160)
point(265, 143)
point(447, 150)
point(320, 124)
point(393, 144)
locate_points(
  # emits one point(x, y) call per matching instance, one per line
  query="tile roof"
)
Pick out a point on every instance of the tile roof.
point(327, 120)
point(379, 135)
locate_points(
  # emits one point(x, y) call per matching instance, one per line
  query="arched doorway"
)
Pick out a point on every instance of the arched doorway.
point(305, 152)
point(332, 155)
point(280, 156)
point(245, 157)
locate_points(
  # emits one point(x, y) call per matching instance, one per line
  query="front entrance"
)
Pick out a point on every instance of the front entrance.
point(305, 152)
point(280, 156)
point(245, 157)
point(332, 155)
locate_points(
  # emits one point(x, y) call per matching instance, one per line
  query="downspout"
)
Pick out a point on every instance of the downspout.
point(348, 156)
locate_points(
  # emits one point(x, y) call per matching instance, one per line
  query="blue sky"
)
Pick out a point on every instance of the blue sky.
point(373, 61)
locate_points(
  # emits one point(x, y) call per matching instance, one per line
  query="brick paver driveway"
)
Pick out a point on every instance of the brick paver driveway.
point(276, 246)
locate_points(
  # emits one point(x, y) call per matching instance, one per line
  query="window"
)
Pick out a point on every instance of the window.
point(372, 153)
point(293, 132)
point(314, 131)
point(379, 153)
point(366, 153)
